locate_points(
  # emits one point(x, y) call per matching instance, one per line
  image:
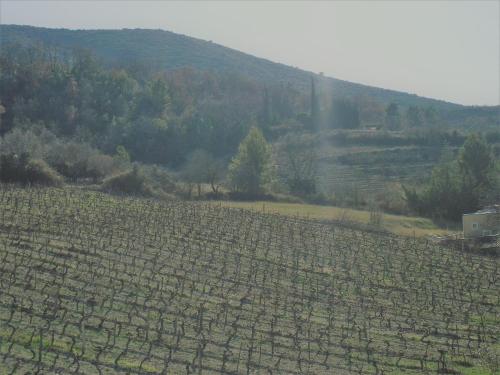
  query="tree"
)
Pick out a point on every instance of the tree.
point(414, 117)
point(215, 174)
point(458, 185)
point(430, 116)
point(24, 170)
point(250, 169)
point(315, 111)
point(201, 167)
point(300, 167)
point(392, 117)
point(266, 115)
point(154, 101)
point(122, 156)
point(476, 162)
point(2, 111)
point(345, 114)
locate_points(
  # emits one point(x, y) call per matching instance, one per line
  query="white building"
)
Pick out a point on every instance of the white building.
point(485, 222)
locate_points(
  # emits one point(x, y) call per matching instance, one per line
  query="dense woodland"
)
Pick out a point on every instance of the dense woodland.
point(160, 117)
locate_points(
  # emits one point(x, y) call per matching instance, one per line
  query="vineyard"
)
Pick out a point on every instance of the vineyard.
point(370, 169)
point(96, 284)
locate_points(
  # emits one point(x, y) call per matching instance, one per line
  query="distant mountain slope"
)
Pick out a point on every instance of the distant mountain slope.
point(168, 50)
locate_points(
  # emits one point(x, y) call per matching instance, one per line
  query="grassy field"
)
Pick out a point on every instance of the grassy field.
point(95, 284)
point(397, 224)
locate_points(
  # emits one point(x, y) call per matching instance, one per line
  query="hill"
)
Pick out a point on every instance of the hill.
point(167, 50)
point(96, 284)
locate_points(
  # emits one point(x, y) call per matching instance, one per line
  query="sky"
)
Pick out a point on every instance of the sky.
point(447, 50)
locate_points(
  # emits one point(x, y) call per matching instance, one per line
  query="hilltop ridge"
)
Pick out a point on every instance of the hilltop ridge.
point(169, 51)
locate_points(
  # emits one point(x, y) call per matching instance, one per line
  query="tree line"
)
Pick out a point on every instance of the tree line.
point(460, 183)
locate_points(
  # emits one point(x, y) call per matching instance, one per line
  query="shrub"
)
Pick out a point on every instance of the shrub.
point(321, 198)
point(376, 216)
point(26, 171)
point(70, 159)
point(99, 166)
point(22, 142)
point(349, 195)
point(159, 178)
point(392, 199)
point(131, 182)
point(80, 161)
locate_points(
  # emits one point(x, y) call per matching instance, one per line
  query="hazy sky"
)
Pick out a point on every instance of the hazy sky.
point(442, 49)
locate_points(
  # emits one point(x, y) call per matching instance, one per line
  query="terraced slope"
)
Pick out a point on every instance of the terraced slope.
point(93, 284)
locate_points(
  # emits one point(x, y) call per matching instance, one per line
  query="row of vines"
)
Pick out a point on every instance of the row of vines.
point(95, 284)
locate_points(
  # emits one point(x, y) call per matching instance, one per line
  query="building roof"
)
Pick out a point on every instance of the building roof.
point(493, 209)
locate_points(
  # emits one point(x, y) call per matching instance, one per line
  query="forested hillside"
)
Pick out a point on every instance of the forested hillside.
point(159, 117)
point(164, 50)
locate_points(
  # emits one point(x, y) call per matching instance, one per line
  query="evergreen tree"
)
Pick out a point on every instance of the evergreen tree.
point(414, 117)
point(2, 111)
point(430, 116)
point(315, 111)
point(300, 167)
point(392, 117)
point(344, 114)
point(249, 170)
point(476, 162)
point(266, 115)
